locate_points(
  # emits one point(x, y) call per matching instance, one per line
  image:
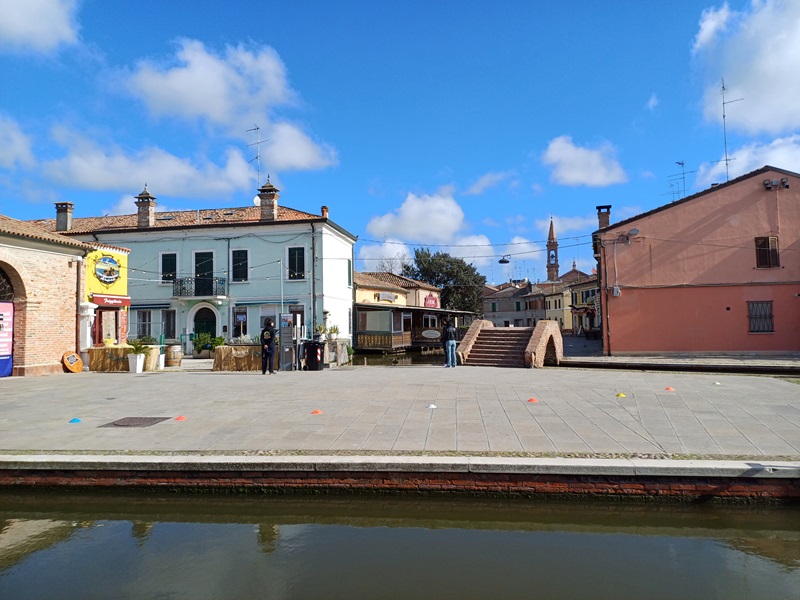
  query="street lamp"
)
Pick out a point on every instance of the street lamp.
point(505, 259)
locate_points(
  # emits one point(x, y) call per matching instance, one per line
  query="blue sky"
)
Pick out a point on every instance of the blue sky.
point(461, 126)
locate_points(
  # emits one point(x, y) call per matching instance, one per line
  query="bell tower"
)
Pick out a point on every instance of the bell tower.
point(552, 254)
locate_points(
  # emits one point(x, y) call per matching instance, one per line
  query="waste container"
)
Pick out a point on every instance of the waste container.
point(314, 352)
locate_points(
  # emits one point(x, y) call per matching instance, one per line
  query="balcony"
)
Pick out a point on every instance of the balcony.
point(198, 287)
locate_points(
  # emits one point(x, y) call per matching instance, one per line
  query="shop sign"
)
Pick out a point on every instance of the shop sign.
point(431, 301)
point(388, 296)
point(107, 270)
point(113, 301)
point(431, 334)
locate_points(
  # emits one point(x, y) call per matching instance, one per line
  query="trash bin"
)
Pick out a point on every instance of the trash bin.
point(314, 352)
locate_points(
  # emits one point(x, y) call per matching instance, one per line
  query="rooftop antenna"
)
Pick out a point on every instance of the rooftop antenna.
point(725, 129)
point(257, 144)
point(674, 178)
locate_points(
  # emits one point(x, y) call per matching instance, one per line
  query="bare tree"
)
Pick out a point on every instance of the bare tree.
point(392, 264)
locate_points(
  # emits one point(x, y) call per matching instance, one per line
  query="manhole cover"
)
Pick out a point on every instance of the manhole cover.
point(135, 422)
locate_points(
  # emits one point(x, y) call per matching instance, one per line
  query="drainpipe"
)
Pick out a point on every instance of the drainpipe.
point(313, 279)
point(78, 262)
point(606, 324)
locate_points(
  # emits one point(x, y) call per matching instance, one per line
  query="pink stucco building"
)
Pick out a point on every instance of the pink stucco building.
point(716, 272)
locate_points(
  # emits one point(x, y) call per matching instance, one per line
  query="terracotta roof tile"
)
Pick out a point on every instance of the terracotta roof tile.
point(31, 230)
point(184, 218)
point(403, 282)
point(367, 281)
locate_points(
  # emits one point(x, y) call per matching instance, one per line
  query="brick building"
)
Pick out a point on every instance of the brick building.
point(41, 287)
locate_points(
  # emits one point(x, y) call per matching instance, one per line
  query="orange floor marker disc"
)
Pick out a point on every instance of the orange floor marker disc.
point(532, 400)
point(669, 388)
point(181, 418)
point(316, 412)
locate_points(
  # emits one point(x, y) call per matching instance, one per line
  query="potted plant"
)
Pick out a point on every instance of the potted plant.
point(202, 345)
point(333, 332)
point(320, 332)
point(136, 351)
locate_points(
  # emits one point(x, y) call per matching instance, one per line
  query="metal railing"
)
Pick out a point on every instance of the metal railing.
point(198, 287)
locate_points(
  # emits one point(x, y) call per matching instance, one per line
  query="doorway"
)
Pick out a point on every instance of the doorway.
point(205, 321)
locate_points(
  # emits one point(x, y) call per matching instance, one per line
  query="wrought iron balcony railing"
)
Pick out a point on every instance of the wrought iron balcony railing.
point(198, 287)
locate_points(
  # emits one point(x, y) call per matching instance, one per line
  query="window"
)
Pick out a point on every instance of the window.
point(760, 317)
point(349, 273)
point(430, 321)
point(239, 265)
point(767, 253)
point(143, 323)
point(297, 263)
point(169, 267)
point(168, 324)
point(517, 306)
point(494, 306)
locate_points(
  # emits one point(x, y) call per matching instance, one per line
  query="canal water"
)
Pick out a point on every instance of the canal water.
point(281, 547)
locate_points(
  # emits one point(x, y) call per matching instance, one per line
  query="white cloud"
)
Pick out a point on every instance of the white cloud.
point(289, 148)
point(15, 146)
point(89, 165)
point(38, 25)
point(433, 219)
point(712, 23)
point(576, 166)
point(487, 181)
point(233, 91)
point(781, 152)
point(652, 102)
point(758, 55)
point(473, 249)
point(562, 226)
point(370, 256)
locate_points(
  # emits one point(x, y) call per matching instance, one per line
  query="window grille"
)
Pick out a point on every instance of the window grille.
point(760, 317)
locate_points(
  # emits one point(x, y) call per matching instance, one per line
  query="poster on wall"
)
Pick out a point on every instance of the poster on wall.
point(6, 338)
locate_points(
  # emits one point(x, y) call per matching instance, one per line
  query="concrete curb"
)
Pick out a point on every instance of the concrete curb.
point(409, 464)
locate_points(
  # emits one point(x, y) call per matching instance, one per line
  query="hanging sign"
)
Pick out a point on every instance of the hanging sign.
point(107, 270)
point(6, 338)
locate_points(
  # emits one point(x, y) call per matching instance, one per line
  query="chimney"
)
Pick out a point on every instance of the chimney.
point(146, 204)
point(603, 215)
point(268, 197)
point(64, 216)
point(324, 212)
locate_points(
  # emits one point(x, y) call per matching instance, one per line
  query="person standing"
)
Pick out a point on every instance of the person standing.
point(450, 344)
point(268, 347)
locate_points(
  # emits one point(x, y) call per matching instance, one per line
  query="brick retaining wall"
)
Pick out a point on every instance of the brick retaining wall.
point(392, 482)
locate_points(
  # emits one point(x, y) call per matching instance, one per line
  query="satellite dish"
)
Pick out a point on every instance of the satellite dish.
point(257, 201)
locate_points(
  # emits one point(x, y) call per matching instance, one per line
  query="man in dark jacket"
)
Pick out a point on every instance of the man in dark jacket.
point(450, 335)
point(268, 347)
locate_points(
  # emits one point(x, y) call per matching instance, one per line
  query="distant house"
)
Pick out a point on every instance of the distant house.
point(716, 272)
point(394, 313)
point(223, 271)
point(514, 304)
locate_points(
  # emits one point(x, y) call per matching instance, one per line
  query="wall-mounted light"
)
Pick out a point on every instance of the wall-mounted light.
point(505, 259)
point(626, 237)
point(785, 183)
point(767, 184)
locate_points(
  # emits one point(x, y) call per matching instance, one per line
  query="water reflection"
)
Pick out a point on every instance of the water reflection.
point(288, 547)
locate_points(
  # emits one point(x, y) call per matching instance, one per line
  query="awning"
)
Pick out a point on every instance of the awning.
point(111, 301)
point(262, 302)
point(149, 306)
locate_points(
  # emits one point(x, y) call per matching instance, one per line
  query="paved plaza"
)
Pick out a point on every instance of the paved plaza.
point(406, 410)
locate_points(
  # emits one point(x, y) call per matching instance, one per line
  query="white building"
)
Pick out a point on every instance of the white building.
point(224, 271)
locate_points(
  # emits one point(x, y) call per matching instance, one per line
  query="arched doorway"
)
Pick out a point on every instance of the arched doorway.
point(6, 289)
point(6, 325)
point(205, 321)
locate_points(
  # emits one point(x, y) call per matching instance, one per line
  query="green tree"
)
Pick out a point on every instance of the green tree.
point(460, 282)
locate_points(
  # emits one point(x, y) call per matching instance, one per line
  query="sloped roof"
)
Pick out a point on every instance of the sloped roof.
point(404, 282)
point(29, 230)
point(180, 219)
point(368, 281)
point(710, 190)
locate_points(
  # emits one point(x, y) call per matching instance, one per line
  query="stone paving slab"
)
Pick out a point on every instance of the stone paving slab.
point(593, 413)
